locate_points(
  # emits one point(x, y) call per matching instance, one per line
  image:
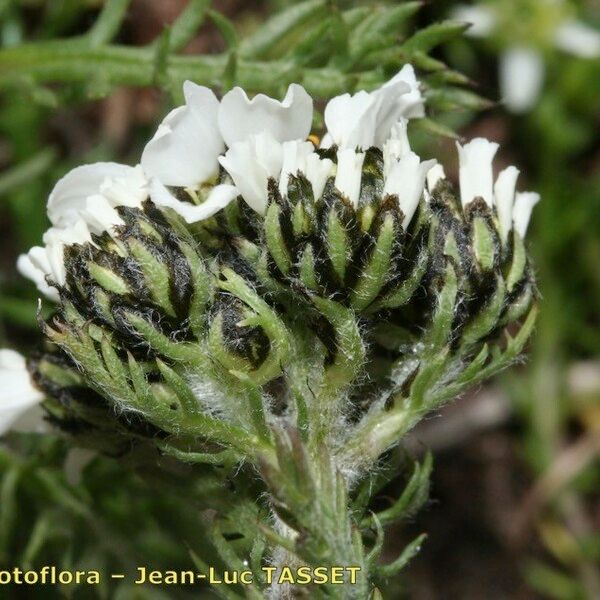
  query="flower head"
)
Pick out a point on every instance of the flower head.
point(82, 203)
point(187, 290)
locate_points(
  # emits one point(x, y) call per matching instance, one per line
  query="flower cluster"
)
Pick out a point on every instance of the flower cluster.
point(243, 269)
point(525, 30)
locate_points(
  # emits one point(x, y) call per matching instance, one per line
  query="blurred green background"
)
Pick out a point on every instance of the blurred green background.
point(515, 509)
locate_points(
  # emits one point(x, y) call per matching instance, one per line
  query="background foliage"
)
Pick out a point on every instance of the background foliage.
point(515, 489)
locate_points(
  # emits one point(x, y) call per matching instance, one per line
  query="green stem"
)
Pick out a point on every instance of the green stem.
point(73, 60)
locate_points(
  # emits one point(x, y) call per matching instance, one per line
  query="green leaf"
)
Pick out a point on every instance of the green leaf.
point(428, 38)
point(276, 32)
point(414, 495)
point(185, 395)
point(226, 28)
point(377, 29)
point(434, 127)
point(185, 27)
point(451, 98)
point(407, 555)
point(109, 21)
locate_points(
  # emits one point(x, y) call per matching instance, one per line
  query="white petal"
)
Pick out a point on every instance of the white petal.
point(33, 420)
point(185, 148)
point(295, 154)
point(68, 197)
point(300, 156)
point(524, 203)
point(578, 39)
point(241, 118)
point(349, 174)
point(99, 215)
point(250, 164)
point(481, 18)
point(407, 181)
point(475, 170)
point(219, 197)
point(130, 190)
point(504, 193)
point(26, 267)
point(55, 240)
point(521, 77)
point(396, 146)
point(318, 171)
point(350, 120)
point(434, 175)
point(410, 105)
point(17, 394)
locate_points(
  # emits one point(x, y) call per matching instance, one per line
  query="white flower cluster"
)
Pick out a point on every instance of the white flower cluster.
point(477, 181)
point(522, 62)
point(252, 141)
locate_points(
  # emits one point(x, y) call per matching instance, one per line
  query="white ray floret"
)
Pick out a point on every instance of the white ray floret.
point(504, 193)
point(522, 68)
point(349, 174)
point(250, 164)
point(185, 148)
point(513, 209)
point(17, 393)
point(524, 203)
point(241, 118)
point(475, 170)
point(300, 157)
point(44, 265)
point(118, 184)
point(407, 181)
point(365, 119)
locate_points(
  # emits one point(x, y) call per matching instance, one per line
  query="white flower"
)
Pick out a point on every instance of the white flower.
point(250, 164)
point(522, 64)
point(188, 147)
point(524, 203)
point(82, 202)
point(349, 174)
point(406, 180)
point(578, 39)
point(403, 171)
point(120, 185)
point(366, 119)
point(475, 172)
point(241, 118)
point(187, 144)
point(396, 146)
point(481, 19)
point(218, 198)
point(504, 193)
point(17, 394)
point(513, 209)
point(521, 77)
point(301, 157)
point(44, 265)
point(434, 175)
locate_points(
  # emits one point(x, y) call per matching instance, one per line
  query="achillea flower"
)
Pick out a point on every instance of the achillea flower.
point(525, 31)
point(298, 305)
